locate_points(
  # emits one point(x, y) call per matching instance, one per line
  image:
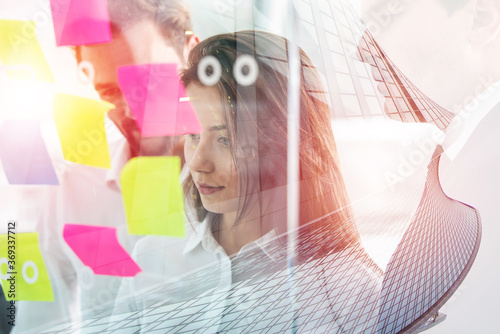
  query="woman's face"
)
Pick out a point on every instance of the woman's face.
point(208, 154)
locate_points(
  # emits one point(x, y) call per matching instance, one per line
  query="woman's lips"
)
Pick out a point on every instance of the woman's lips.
point(208, 190)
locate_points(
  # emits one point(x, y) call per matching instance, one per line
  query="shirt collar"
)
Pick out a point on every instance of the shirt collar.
point(119, 151)
point(267, 243)
point(120, 155)
point(201, 231)
point(466, 121)
point(198, 232)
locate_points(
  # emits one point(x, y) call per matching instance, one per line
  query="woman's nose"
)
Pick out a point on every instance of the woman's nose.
point(202, 159)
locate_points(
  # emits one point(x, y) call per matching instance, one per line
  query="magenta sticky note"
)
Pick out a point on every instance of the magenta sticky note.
point(158, 100)
point(23, 153)
point(98, 248)
point(78, 22)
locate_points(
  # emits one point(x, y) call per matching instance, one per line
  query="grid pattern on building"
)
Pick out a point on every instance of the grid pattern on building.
point(332, 293)
point(431, 260)
point(403, 101)
point(337, 292)
point(361, 81)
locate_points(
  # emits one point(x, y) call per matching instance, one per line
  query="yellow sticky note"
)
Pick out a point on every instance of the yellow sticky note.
point(80, 125)
point(20, 52)
point(153, 197)
point(22, 269)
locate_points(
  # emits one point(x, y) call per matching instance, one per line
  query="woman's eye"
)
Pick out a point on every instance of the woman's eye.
point(224, 141)
point(194, 136)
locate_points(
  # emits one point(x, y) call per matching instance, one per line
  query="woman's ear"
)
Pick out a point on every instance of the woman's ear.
point(191, 43)
point(486, 21)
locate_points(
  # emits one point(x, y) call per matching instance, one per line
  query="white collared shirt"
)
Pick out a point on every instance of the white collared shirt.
point(165, 258)
point(466, 121)
point(88, 196)
point(82, 197)
point(192, 285)
point(468, 172)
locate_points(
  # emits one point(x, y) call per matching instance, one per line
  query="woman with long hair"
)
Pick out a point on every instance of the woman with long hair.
point(251, 142)
point(236, 191)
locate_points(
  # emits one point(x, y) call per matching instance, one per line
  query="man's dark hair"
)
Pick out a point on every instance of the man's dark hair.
point(171, 16)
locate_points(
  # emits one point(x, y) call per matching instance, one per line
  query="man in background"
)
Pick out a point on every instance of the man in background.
point(143, 32)
point(450, 49)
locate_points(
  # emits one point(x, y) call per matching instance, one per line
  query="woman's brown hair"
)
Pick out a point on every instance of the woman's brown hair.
point(256, 120)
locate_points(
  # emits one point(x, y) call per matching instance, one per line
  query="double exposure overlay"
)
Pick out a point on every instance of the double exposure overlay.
point(230, 166)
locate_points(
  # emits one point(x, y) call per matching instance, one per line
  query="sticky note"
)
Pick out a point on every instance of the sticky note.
point(79, 22)
point(22, 270)
point(152, 196)
point(98, 248)
point(158, 100)
point(23, 153)
point(20, 54)
point(80, 126)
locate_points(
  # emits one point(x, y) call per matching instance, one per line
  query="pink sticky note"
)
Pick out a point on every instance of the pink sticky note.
point(158, 100)
point(23, 153)
point(99, 249)
point(78, 22)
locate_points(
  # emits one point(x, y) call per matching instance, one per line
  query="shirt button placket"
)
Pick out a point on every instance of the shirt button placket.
point(218, 301)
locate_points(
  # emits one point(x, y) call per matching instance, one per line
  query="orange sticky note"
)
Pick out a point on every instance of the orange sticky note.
point(80, 125)
point(153, 197)
point(20, 52)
